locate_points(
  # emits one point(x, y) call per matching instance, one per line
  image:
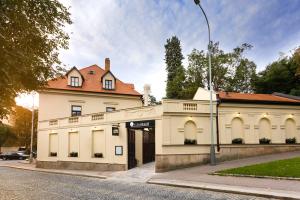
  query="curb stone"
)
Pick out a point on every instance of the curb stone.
point(259, 192)
point(55, 172)
point(255, 176)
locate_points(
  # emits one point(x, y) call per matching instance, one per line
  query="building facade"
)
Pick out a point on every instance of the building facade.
point(96, 122)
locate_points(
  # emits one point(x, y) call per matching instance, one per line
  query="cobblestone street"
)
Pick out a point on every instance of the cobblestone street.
point(22, 184)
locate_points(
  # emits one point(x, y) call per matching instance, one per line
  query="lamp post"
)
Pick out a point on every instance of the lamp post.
point(212, 146)
point(32, 129)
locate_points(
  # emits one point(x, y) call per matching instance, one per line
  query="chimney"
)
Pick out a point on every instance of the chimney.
point(107, 64)
point(146, 97)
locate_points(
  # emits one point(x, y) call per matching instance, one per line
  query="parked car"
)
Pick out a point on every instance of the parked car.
point(14, 156)
point(23, 155)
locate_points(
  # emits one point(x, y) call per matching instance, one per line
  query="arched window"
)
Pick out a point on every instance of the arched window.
point(290, 128)
point(264, 128)
point(190, 131)
point(237, 128)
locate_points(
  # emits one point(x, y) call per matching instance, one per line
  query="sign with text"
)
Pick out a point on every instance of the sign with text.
point(141, 124)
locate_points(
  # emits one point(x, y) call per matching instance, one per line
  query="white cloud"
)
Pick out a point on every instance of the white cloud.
point(133, 33)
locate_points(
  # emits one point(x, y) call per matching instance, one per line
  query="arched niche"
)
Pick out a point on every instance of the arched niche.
point(237, 128)
point(190, 130)
point(264, 128)
point(290, 128)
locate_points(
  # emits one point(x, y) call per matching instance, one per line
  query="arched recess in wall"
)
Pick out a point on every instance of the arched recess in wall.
point(265, 128)
point(237, 128)
point(290, 128)
point(190, 130)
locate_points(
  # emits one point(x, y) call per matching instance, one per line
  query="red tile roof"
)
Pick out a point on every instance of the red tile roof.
point(263, 98)
point(92, 83)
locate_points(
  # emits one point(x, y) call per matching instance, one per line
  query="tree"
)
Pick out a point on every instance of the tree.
point(31, 34)
point(230, 71)
point(22, 126)
point(243, 71)
point(153, 100)
point(5, 134)
point(280, 76)
point(175, 69)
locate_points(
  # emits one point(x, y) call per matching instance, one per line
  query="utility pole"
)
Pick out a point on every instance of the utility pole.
point(32, 129)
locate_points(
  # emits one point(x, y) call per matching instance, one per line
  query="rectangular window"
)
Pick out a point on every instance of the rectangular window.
point(76, 110)
point(74, 81)
point(110, 109)
point(108, 85)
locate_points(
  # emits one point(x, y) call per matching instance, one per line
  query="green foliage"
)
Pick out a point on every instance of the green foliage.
point(237, 141)
point(5, 134)
point(291, 140)
point(175, 69)
point(230, 71)
point(281, 76)
point(22, 126)
point(280, 168)
point(153, 100)
point(31, 34)
point(264, 141)
point(190, 141)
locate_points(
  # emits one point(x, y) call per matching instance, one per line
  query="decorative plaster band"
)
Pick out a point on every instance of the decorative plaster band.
point(247, 126)
point(227, 125)
point(274, 126)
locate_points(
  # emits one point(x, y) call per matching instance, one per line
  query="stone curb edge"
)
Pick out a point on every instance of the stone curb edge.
point(255, 176)
point(219, 189)
point(56, 172)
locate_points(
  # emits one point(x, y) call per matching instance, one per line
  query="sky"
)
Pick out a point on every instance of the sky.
point(132, 33)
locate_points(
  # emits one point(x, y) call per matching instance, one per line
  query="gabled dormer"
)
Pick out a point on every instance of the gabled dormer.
point(108, 80)
point(75, 78)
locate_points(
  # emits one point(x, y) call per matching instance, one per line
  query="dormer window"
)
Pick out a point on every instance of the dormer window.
point(74, 81)
point(108, 85)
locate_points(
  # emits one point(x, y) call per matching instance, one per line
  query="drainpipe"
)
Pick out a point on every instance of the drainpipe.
point(217, 123)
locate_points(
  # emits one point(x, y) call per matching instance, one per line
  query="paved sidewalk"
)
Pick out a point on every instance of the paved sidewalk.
point(197, 177)
point(26, 166)
point(136, 175)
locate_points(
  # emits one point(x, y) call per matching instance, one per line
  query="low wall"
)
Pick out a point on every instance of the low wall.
point(80, 166)
point(167, 162)
point(8, 149)
point(233, 152)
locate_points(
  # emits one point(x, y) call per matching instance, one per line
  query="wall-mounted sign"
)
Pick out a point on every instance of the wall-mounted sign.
point(118, 150)
point(141, 124)
point(115, 131)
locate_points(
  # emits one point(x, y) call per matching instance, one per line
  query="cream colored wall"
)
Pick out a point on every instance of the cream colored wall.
point(171, 119)
point(108, 76)
point(255, 118)
point(58, 105)
point(85, 127)
point(85, 150)
point(76, 74)
point(172, 135)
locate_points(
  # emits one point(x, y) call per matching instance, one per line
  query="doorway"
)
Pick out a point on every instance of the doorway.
point(141, 142)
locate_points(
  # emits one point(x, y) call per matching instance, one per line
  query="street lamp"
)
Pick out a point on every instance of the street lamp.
point(32, 129)
point(212, 146)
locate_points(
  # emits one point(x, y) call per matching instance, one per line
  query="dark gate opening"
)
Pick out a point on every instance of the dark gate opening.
point(148, 129)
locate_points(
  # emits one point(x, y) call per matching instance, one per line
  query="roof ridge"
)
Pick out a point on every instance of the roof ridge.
point(94, 65)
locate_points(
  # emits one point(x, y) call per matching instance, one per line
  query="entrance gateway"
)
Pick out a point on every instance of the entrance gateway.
point(141, 142)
